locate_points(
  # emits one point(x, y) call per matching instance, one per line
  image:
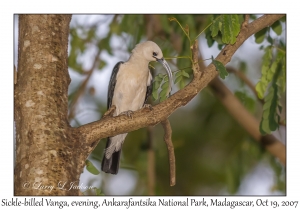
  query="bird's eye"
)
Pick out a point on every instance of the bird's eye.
point(154, 54)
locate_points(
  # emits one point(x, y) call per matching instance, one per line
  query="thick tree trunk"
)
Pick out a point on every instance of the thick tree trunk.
point(45, 150)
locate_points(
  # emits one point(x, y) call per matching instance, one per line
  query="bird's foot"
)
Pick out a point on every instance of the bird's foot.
point(127, 113)
point(148, 106)
point(110, 111)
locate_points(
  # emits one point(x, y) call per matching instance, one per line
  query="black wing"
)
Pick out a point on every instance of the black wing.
point(111, 165)
point(112, 84)
point(149, 90)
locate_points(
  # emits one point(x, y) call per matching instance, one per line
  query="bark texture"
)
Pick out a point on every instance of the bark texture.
point(44, 147)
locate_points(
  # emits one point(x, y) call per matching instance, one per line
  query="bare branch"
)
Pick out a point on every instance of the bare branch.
point(195, 53)
point(246, 21)
point(168, 139)
point(144, 117)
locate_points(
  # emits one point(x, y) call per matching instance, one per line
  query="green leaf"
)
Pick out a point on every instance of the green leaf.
point(264, 127)
point(267, 74)
point(270, 40)
point(178, 74)
point(220, 46)
point(160, 75)
point(210, 40)
point(185, 74)
point(260, 36)
point(260, 90)
point(156, 85)
point(276, 27)
point(162, 98)
point(281, 82)
point(272, 106)
point(91, 168)
point(181, 84)
point(165, 86)
point(98, 192)
point(230, 28)
point(166, 79)
point(158, 79)
point(155, 94)
point(215, 27)
point(178, 79)
point(220, 68)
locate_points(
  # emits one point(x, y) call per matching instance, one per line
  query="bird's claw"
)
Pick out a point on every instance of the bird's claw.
point(127, 113)
point(110, 111)
point(148, 106)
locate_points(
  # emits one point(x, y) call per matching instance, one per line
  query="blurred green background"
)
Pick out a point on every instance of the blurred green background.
point(214, 154)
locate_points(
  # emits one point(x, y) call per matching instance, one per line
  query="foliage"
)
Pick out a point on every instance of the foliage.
point(272, 83)
point(223, 30)
point(91, 168)
point(228, 25)
point(220, 68)
point(205, 137)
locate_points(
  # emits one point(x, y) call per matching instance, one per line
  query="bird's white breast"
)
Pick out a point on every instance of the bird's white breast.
point(131, 87)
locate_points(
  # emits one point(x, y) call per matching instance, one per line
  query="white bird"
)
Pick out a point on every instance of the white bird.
point(129, 87)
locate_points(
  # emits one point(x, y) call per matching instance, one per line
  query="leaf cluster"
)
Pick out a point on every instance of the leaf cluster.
point(272, 83)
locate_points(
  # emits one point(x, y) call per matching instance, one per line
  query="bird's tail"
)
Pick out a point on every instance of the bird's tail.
point(111, 165)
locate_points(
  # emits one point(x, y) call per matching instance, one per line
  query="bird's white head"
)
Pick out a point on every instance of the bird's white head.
point(150, 51)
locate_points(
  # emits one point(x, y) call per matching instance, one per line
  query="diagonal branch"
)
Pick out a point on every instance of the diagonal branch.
point(112, 126)
point(247, 120)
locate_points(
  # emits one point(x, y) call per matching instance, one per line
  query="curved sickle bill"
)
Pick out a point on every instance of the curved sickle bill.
point(169, 71)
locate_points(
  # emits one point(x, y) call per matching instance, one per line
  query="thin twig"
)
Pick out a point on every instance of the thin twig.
point(246, 20)
point(168, 134)
point(195, 52)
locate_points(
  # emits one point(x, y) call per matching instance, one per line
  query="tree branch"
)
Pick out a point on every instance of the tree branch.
point(246, 21)
point(112, 126)
point(246, 120)
point(168, 139)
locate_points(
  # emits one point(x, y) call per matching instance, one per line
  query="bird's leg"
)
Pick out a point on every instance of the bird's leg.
point(127, 113)
point(148, 106)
